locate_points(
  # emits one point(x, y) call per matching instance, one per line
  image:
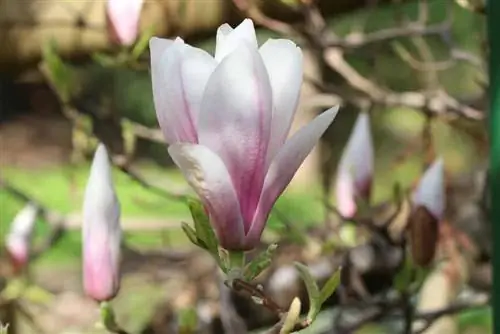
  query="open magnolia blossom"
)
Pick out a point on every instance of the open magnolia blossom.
point(123, 19)
point(355, 169)
point(101, 231)
point(227, 119)
point(18, 240)
point(430, 192)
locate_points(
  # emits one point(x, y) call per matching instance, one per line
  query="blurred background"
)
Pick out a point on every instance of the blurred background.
point(418, 68)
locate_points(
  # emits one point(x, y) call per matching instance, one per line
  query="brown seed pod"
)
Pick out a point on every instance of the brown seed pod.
point(423, 232)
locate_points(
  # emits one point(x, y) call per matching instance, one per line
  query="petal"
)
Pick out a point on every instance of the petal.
point(229, 39)
point(156, 47)
point(222, 32)
point(284, 64)
point(100, 204)
point(101, 266)
point(284, 166)
point(179, 74)
point(357, 158)
point(345, 193)
point(124, 16)
point(430, 190)
point(207, 175)
point(235, 122)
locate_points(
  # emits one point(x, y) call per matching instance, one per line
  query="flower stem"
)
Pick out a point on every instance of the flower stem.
point(109, 320)
point(236, 260)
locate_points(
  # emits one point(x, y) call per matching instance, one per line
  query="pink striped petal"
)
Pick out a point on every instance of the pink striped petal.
point(284, 64)
point(235, 122)
point(124, 17)
point(283, 168)
point(207, 175)
point(430, 191)
point(179, 74)
point(229, 39)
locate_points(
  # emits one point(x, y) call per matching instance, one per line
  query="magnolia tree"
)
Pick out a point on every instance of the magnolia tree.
point(226, 122)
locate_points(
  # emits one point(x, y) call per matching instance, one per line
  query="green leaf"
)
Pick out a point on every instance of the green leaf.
point(191, 234)
point(143, 42)
point(312, 291)
point(204, 231)
point(259, 263)
point(108, 318)
point(330, 286)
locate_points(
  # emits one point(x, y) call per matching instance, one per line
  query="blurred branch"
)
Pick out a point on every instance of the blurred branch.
point(360, 40)
point(363, 91)
point(145, 132)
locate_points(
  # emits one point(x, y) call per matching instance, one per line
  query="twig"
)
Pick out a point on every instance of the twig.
point(259, 297)
point(430, 317)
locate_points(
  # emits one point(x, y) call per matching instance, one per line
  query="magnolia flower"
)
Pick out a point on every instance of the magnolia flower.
point(355, 170)
point(430, 191)
point(101, 231)
point(227, 119)
point(123, 19)
point(18, 240)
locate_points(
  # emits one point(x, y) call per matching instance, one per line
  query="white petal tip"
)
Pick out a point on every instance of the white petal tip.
point(430, 191)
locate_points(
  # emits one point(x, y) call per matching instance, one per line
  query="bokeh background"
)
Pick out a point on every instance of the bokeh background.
point(64, 85)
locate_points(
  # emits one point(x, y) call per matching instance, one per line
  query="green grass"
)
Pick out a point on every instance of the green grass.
point(61, 190)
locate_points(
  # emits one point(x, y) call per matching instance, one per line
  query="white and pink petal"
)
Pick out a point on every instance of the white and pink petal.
point(179, 75)
point(284, 166)
point(430, 192)
point(284, 64)
point(235, 122)
point(206, 173)
point(229, 39)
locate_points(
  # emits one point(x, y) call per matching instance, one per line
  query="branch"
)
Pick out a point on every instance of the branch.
point(359, 40)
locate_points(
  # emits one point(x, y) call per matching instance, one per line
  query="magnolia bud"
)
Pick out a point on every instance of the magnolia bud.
point(355, 170)
point(101, 231)
point(18, 240)
point(429, 202)
point(123, 19)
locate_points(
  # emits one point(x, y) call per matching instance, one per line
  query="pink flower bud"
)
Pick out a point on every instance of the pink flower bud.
point(123, 19)
point(101, 235)
point(227, 119)
point(355, 170)
point(18, 240)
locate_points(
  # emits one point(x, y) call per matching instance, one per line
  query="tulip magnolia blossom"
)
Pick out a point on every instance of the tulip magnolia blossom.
point(355, 170)
point(123, 19)
point(18, 240)
point(101, 231)
point(227, 119)
point(430, 192)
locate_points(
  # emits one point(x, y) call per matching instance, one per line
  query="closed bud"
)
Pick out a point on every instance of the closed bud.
point(424, 235)
point(428, 210)
point(123, 19)
point(101, 231)
point(18, 240)
point(355, 170)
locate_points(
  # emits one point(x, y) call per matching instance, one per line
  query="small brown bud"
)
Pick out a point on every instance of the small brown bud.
point(423, 234)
